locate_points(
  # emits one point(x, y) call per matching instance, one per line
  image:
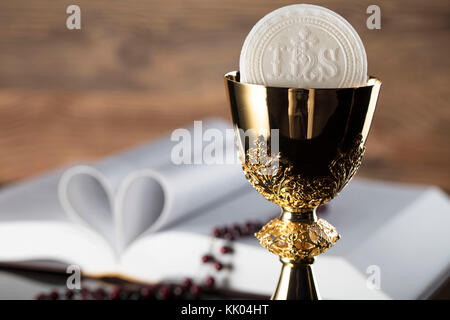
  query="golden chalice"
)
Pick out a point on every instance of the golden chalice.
point(299, 148)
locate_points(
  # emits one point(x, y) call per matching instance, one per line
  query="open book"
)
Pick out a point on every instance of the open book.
point(138, 215)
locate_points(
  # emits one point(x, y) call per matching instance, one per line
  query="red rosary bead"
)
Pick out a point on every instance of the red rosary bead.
point(225, 250)
point(195, 290)
point(187, 282)
point(209, 281)
point(207, 258)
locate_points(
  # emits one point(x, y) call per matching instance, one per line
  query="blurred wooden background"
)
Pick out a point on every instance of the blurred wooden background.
point(138, 69)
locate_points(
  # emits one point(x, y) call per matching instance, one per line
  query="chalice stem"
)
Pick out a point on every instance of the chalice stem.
point(297, 237)
point(296, 281)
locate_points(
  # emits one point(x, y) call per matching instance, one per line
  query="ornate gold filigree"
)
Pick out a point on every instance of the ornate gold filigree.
point(273, 177)
point(297, 240)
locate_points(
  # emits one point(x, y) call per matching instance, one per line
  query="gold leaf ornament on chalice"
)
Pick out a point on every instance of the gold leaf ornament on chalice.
point(319, 137)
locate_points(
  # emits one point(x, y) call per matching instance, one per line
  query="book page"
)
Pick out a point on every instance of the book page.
point(140, 183)
point(33, 226)
point(159, 198)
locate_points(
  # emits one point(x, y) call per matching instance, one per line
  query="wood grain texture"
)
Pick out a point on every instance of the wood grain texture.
point(138, 69)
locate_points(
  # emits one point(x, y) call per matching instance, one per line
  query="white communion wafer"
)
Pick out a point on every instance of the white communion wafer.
point(303, 46)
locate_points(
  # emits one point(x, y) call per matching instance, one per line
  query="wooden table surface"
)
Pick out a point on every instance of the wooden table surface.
point(138, 69)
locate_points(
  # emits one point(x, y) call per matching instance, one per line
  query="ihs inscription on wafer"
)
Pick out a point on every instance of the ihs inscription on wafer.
point(303, 46)
point(303, 59)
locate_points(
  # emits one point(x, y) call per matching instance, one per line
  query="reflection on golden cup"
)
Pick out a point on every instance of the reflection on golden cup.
point(299, 148)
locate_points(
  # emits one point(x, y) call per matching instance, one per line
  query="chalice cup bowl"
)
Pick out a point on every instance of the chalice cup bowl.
point(299, 148)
